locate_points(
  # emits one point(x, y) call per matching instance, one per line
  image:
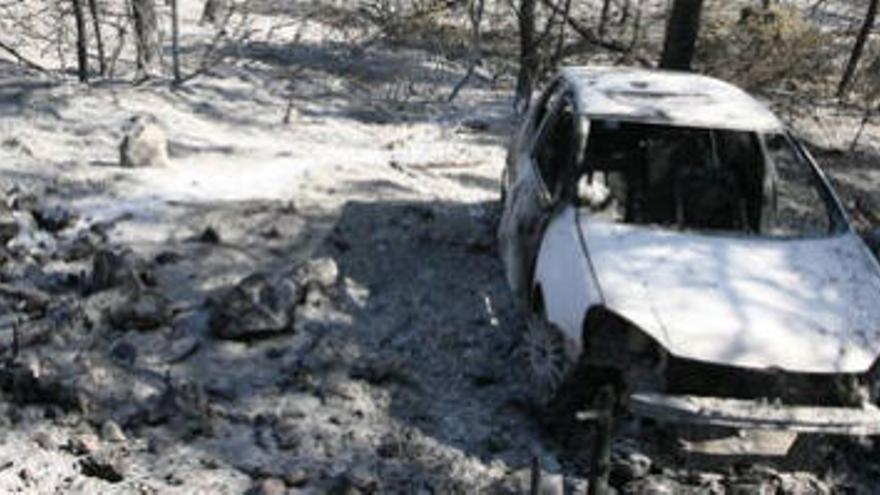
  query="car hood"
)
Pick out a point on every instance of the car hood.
point(810, 305)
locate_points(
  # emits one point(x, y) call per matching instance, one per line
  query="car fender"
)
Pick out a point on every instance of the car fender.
point(564, 276)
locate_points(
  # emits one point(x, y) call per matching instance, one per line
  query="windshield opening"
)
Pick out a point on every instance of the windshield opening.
point(703, 180)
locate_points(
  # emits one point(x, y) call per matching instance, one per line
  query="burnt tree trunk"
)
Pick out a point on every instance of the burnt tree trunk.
point(603, 17)
point(212, 11)
point(475, 13)
point(558, 53)
point(624, 12)
point(858, 48)
point(681, 34)
point(99, 41)
point(175, 41)
point(146, 33)
point(528, 56)
point(81, 53)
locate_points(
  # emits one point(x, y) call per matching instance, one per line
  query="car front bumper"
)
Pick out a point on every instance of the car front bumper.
point(756, 414)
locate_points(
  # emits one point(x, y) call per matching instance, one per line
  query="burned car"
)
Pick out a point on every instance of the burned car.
point(664, 232)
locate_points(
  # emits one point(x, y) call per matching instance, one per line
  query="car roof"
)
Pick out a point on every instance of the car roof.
point(666, 97)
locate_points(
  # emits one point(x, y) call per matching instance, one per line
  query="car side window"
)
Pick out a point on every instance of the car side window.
point(799, 207)
point(545, 104)
point(556, 146)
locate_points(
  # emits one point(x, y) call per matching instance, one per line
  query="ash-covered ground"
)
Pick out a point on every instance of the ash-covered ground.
point(307, 306)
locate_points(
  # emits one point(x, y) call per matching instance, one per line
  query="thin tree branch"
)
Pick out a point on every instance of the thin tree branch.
point(586, 33)
point(21, 58)
point(96, 27)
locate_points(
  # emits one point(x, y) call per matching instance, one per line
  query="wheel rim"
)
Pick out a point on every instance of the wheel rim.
point(546, 356)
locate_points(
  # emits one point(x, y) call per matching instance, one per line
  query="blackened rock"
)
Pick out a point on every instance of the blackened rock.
point(52, 218)
point(168, 257)
point(356, 481)
point(476, 124)
point(21, 200)
point(628, 464)
point(28, 385)
point(8, 228)
point(124, 352)
point(252, 309)
point(288, 434)
point(208, 236)
point(143, 310)
point(109, 269)
point(102, 465)
point(83, 245)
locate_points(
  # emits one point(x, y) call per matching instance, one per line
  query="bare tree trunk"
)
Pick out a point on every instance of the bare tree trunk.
point(603, 17)
point(96, 26)
point(528, 56)
point(858, 48)
point(558, 53)
point(624, 12)
point(681, 34)
point(212, 11)
point(475, 12)
point(175, 41)
point(146, 33)
point(81, 53)
point(637, 26)
point(121, 32)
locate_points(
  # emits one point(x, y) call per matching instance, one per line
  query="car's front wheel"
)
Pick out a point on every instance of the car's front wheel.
point(550, 361)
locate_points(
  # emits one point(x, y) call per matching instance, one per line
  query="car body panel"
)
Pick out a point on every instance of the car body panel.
point(529, 204)
point(564, 275)
point(753, 308)
point(666, 98)
point(805, 305)
point(521, 227)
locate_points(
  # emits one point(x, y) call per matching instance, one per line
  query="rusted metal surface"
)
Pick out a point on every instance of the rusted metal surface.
point(669, 228)
point(668, 98)
point(754, 414)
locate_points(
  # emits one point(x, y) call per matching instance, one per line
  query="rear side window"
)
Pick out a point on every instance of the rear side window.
point(556, 147)
point(547, 102)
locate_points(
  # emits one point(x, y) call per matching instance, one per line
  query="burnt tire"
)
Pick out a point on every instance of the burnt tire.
point(548, 360)
point(562, 383)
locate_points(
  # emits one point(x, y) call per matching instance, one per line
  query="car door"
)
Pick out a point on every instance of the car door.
point(521, 141)
point(535, 190)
